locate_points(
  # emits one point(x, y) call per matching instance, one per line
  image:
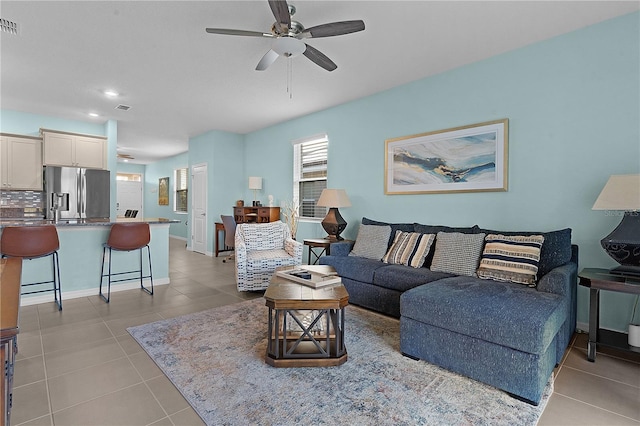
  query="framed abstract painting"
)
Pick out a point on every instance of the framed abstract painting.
point(471, 158)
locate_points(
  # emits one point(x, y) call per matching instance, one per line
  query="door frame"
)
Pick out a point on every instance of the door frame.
point(206, 207)
point(141, 212)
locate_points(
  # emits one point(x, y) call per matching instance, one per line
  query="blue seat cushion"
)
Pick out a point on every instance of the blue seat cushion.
point(506, 314)
point(354, 267)
point(403, 278)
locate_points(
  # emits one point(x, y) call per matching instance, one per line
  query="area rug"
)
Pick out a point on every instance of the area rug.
point(216, 359)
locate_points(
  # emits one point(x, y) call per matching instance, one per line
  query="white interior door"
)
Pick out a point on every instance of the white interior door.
point(199, 209)
point(129, 197)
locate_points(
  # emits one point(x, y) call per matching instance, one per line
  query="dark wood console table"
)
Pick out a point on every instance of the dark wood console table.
point(601, 279)
point(256, 214)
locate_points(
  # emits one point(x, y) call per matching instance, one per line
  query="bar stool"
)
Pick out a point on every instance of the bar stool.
point(126, 237)
point(32, 242)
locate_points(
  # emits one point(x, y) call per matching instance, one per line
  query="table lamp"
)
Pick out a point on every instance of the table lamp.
point(255, 183)
point(333, 223)
point(622, 193)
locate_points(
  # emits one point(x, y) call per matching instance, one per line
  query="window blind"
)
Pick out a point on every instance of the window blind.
point(181, 188)
point(310, 175)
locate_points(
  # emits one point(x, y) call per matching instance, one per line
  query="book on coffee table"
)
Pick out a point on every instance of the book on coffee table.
point(309, 276)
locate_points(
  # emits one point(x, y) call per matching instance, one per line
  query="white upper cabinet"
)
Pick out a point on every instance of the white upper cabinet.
point(74, 150)
point(20, 162)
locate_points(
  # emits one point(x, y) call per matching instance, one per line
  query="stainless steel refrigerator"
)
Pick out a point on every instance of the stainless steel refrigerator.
point(77, 193)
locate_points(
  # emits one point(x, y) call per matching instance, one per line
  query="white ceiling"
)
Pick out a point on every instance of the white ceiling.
point(181, 81)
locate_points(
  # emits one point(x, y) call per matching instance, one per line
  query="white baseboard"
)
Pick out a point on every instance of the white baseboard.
point(66, 295)
point(177, 237)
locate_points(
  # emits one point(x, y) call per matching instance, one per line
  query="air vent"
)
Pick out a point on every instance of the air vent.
point(8, 26)
point(123, 107)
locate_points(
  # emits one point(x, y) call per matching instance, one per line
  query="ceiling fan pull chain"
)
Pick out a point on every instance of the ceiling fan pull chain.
point(290, 78)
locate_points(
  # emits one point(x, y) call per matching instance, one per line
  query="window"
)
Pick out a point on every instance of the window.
point(180, 199)
point(310, 175)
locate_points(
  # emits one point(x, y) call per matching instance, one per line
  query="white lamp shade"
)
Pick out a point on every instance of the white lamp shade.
point(334, 198)
point(255, 182)
point(621, 192)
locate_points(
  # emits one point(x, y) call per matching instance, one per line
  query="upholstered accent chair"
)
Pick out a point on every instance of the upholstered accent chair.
point(260, 249)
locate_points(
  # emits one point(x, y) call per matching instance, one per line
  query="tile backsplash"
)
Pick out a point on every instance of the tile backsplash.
point(22, 204)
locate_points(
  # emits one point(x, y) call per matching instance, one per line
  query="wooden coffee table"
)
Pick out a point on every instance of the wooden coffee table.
point(306, 325)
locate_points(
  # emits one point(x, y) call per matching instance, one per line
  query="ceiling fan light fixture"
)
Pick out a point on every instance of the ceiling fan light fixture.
point(288, 47)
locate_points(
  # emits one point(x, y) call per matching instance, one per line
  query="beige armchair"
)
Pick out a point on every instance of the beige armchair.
point(260, 249)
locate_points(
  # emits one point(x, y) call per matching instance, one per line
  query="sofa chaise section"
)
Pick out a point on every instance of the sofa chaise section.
point(503, 334)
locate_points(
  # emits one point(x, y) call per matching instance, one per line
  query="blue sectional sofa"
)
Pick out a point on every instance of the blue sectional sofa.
point(502, 333)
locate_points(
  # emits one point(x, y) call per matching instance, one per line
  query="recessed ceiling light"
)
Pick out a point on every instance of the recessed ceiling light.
point(94, 114)
point(111, 93)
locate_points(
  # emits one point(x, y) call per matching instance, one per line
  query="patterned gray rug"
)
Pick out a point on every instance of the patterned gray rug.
point(216, 359)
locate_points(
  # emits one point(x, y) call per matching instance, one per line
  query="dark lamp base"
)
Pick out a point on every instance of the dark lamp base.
point(334, 224)
point(623, 245)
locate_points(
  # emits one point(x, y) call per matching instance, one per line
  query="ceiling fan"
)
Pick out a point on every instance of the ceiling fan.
point(289, 34)
point(125, 156)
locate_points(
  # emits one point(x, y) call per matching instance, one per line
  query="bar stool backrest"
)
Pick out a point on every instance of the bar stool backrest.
point(29, 242)
point(128, 236)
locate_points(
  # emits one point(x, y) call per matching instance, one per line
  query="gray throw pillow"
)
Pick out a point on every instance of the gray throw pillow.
point(457, 253)
point(371, 241)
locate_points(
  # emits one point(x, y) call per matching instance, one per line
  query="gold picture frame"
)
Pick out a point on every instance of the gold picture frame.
point(472, 158)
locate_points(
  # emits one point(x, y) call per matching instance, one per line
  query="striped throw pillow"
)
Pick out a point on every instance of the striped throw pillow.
point(409, 249)
point(511, 258)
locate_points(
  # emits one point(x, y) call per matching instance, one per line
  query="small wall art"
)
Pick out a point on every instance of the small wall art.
point(470, 158)
point(163, 191)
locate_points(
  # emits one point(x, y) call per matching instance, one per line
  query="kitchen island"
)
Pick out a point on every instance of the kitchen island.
point(80, 255)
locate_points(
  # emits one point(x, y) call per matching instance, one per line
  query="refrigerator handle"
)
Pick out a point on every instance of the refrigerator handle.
point(78, 193)
point(84, 194)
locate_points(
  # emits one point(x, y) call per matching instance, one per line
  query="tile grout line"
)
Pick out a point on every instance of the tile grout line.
point(598, 407)
point(46, 376)
point(144, 381)
point(602, 377)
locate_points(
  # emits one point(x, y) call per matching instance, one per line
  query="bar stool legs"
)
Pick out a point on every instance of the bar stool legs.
point(126, 237)
point(109, 274)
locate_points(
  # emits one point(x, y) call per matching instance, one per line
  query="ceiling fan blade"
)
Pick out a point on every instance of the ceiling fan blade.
point(226, 31)
point(319, 58)
point(280, 10)
point(267, 60)
point(333, 29)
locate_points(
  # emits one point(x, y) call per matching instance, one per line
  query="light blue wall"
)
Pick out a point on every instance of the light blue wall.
point(223, 154)
point(573, 104)
point(24, 123)
point(155, 171)
point(131, 168)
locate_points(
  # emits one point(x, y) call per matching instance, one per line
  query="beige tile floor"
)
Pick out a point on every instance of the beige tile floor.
point(81, 367)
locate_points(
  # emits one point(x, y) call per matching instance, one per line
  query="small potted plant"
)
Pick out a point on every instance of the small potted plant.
point(634, 327)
